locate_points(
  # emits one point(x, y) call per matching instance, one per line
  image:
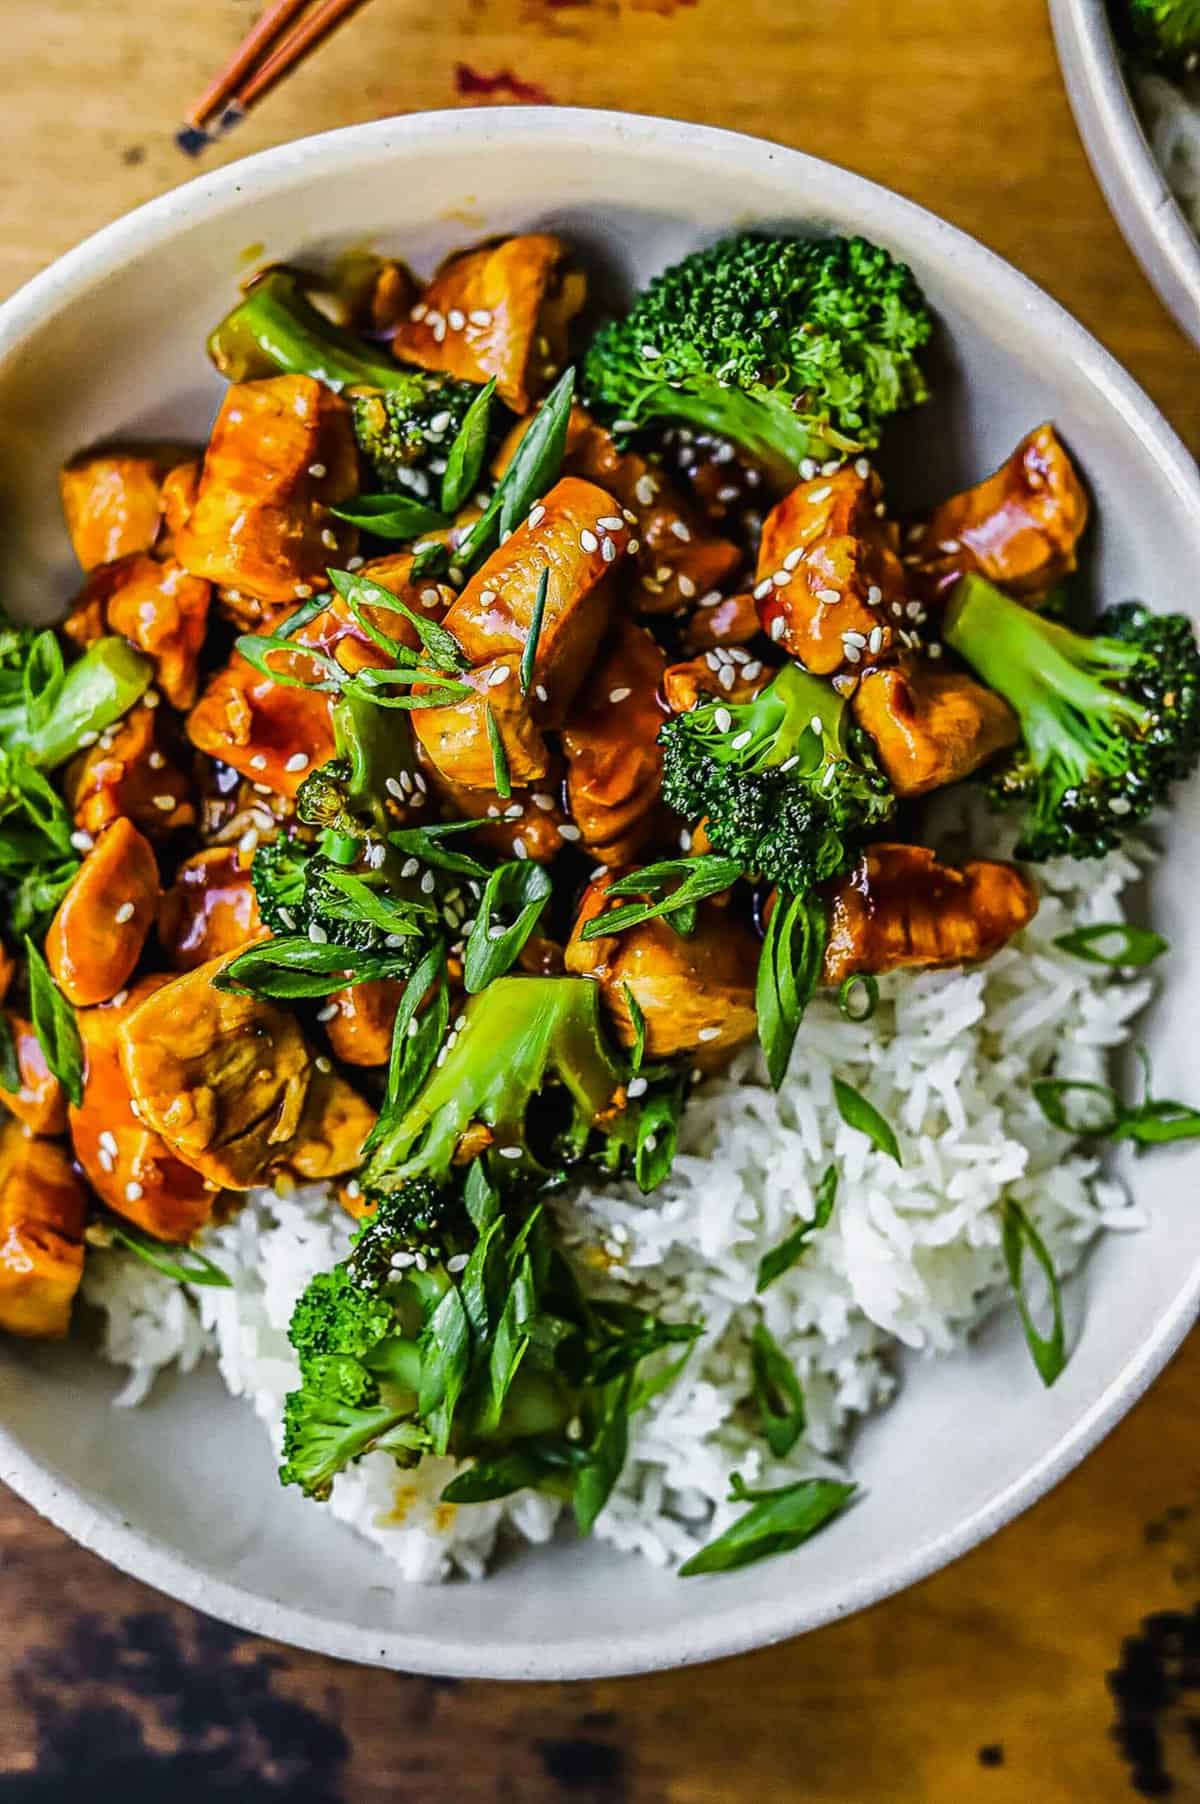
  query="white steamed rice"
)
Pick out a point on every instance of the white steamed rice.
point(911, 1257)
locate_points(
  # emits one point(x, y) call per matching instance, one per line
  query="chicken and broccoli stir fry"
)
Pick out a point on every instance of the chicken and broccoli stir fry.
point(467, 750)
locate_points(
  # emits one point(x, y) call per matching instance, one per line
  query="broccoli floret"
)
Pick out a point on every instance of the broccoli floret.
point(402, 432)
point(785, 783)
point(793, 347)
point(1167, 31)
point(524, 1040)
point(347, 796)
point(324, 1431)
point(1108, 723)
point(363, 906)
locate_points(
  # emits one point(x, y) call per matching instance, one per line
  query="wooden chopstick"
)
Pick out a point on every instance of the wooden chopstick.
point(257, 40)
point(308, 35)
point(240, 85)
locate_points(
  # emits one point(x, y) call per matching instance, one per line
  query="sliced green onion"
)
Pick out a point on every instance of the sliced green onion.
point(529, 655)
point(858, 1011)
point(863, 1116)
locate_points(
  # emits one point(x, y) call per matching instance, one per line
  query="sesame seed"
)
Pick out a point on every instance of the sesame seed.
point(949, 545)
point(727, 675)
point(440, 421)
point(302, 591)
point(729, 492)
point(249, 840)
point(763, 589)
point(914, 610)
point(165, 803)
point(619, 695)
point(569, 832)
point(406, 782)
point(685, 840)
point(322, 1064)
point(317, 934)
point(831, 466)
point(520, 849)
point(874, 595)
point(687, 587)
point(789, 764)
point(329, 539)
point(391, 784)
point(934, 650)
point(479, 316)
point(539, 689)
point(156, 761)
point(106, 1160)
point(588, 540)
point(608, 551)
point(875, 641)
point(437, 326)
point(742, 739)
point(711, 599)
point(509, 1152)
point(862, 468)
point(107, 1142)
point(82, 842)
point(782, 578)
point(355, 562)
point(544, 802)
point(458, 1263)
point(317, 470)
point(427, 883)
point(830, 597)
point(456, 319)
point(297, 762)
point(645, 489)
point(852, 654)
point(515, 812)
point(610, 523)
point(633, 547)
point(120, 999)
point(853, 638)
point(328, 1012)
point(778, 627)
point(821, 494)
point(500, 675)
point(681, 531)
point(420, 783)
point(458, 576)
point(651, 352)
point(637, 1086)
point(793, 558)
point(624, 426)
point(723, 720)
point(133, 1191)
point(808, 469)
point(830, 774)
point(487, 597)
point(429, 598)
point(151, 698)
point(752, 669)
point(712, 660)
point(417, 314)
point(537, 515)
point(709, 1033)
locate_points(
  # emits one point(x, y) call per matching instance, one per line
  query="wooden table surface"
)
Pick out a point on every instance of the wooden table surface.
point(1059, 1663)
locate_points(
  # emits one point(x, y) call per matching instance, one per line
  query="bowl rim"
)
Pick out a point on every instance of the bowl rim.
point(723, 1632)
point(1151, 220)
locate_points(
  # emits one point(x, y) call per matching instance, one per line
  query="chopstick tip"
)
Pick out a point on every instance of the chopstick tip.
point(192, 139)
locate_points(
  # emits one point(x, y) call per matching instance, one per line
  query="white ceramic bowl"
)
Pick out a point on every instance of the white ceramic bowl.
point(1154, 224)
point(111, 341)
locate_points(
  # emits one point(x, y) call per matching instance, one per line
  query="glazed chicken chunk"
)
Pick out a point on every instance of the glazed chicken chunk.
point(931, 726)
point(281, 455)
point(901, 906)
point(100, 928)
point(614, 763)
point(503, 311)
point(830, 585)
point(42, 1213)
point(1019, 527)
point(225, 1078)
point(696, 993)
point(113, 502)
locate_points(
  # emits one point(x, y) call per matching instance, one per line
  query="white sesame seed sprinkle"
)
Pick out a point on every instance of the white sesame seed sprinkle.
point(852, 638)
point(778, 627)
point(317, 934)
point(427, 883)
point(500, 675)
point(821, 494)
point(120, 999)
point(520, 849)
point(709, 1033)
point(164, 803)
point(82, 842)
point(568, 831)
point(645, 489)
point(608, 551)
point(133, 1191)
point(156, 761)
point(151, 698)
point(107, 1141)
point(392, 785)
point(741, 739)
point(723, 720)
point(297, 762)
point(479, 316)
point(456, 319)
point(328, 1012)
point(852, 654)
point(782, 578)
point(830, 597)
point(509, 1152)
point(317, 470)
point(329, 539)
point(302, 591)
point(537, 515)
point(619, 695)
point(752, 670)
point(588, 540)
point(540, 690)
point(808, 469)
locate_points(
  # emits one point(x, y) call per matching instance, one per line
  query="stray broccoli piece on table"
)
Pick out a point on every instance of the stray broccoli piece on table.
point(792, 347)
point(1108, 723)
point(1168, 31)
point(786, 783)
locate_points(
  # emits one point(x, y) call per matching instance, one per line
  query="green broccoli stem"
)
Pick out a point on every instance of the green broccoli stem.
point(96, 692)
point(764, 425)
point(1054, 679)
point(778, 720)
point(276, 330)
point(517, 1031)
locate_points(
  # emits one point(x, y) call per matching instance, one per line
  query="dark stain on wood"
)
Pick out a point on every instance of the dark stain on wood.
point(991, 1755)
point(580, 1764)
point(134, 1710)
point(1156, 1687)
point(473, 84)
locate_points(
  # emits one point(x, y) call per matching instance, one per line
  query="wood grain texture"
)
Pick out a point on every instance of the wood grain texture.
point(987, 1684)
